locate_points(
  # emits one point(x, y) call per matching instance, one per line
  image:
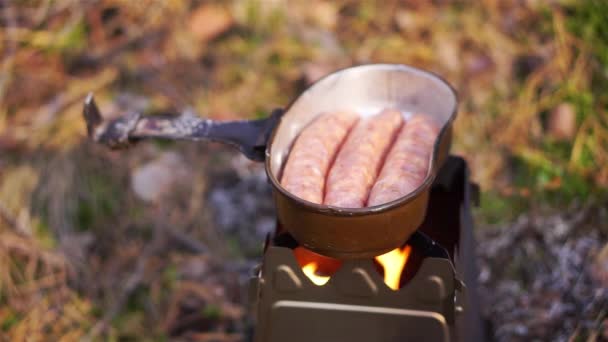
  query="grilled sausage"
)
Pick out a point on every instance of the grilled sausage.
point(407, 161)
point(312, 153)
point(360, 158)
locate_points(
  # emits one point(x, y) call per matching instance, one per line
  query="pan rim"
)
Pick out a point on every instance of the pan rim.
point(377, 209)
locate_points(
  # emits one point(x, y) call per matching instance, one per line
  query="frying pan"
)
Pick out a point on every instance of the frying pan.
point(336, 232)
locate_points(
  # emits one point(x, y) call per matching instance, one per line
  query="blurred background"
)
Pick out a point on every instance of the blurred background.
point(156, 242)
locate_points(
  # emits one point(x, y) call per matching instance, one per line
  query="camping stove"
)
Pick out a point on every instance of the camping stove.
point(435, 300)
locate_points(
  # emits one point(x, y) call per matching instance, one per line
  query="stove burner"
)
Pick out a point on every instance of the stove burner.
point(356, 305)
point(421, 245)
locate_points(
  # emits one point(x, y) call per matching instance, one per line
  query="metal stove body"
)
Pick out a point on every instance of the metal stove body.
point(436, 301)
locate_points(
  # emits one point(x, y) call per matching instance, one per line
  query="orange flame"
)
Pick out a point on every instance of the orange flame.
point(393, 263)
point(312, 263)
point(318, 268)
point(310, 270)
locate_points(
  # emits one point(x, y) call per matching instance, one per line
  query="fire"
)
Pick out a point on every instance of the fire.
point(319, 268)
point(393, 263)
point(310, 270)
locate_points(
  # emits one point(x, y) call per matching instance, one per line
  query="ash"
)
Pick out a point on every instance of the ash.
point(241, 202)
point(543, 278)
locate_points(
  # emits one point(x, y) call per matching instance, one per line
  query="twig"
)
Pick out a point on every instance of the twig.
point(131, 284)
point(8, 218)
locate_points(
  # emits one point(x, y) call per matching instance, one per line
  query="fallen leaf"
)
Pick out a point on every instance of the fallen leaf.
point(209, 21)
point(562, 122)
point(448, 52)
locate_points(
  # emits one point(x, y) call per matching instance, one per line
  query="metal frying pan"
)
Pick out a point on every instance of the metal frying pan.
point(367, 89)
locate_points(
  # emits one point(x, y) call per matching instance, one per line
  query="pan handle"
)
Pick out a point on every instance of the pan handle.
point(249, 136)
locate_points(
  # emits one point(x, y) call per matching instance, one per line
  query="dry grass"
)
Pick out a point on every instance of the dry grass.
point(72, 231)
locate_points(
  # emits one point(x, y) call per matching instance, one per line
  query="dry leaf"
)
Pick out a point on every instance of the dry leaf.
point(562, 122)
point(208, 21)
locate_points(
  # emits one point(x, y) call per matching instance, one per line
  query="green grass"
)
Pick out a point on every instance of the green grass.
point(589, 21)
point(99, 201)
point(496, 208)
point(551, 172)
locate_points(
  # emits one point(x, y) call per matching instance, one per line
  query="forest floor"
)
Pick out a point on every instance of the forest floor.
point(157, 242)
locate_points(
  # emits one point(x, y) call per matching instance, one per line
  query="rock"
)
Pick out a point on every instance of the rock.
point(241, 202)
point(562, 122)
point(209, 21)
point(156, 178)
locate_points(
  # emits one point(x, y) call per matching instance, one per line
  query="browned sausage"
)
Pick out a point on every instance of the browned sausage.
point(360, 158)
point(312, 153)
point(407, 162)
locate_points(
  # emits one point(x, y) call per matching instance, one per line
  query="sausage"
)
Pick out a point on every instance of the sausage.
point(407, 161)
point(360, 158)
point(312, 153)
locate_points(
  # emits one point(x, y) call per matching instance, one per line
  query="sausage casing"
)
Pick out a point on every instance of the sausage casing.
point(312, 153)
point(407, 161)
point(360, 158)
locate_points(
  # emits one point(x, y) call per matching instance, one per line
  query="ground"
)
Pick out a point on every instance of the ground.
point(156, 241)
